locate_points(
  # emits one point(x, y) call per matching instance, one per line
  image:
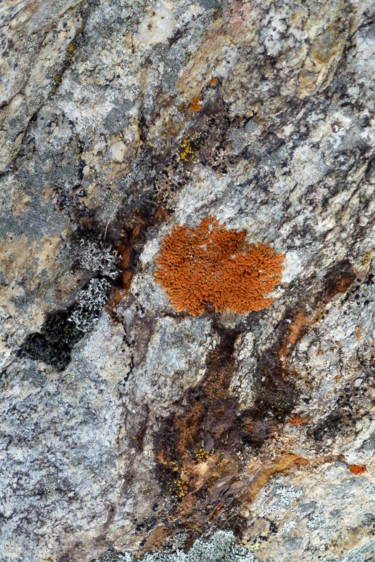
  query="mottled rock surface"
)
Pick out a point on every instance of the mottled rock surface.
point(130, 431)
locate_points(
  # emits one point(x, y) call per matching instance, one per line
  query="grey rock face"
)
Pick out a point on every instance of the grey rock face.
point(130, 430)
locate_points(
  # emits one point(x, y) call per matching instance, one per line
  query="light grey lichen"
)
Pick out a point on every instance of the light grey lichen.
point(221, 547)
point(89, 304)
point(98, 257)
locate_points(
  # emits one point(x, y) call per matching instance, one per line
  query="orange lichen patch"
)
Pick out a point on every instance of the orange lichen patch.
point(214, 265)
point(297, 420)
point(357, 469)
point(213, 82)
point(358, 332)
point(337, 378)
point(195, 104)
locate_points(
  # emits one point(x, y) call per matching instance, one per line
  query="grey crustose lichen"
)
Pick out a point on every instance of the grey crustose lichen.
point(221, 547)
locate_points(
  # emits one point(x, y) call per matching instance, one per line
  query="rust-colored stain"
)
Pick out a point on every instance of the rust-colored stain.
point(337, 282)
point(195, 104)
point(126, 248)
point(213, 82)
point(269, 468)
point(296, 330)
point(358, 332)
point(214, 265)
point(337, 378)
point(156, 538)
point(357, 469)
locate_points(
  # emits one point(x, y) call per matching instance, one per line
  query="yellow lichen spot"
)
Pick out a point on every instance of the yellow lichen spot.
point(187, 152)
point(57, 80)
point(367, 258)
point(71, 48)
point(190, 145)
point(201, 454)
point(254, 546)
point(181, 488)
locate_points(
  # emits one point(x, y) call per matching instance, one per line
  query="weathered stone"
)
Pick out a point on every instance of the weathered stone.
point(129, 430)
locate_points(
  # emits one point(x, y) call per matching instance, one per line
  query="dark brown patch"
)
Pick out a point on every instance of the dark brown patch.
point(130, 238)
point(198, 450)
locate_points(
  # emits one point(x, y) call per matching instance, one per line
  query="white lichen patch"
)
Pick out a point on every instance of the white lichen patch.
point(149, 252)
point(158, 24)
point(292, 266)
point(308, 166)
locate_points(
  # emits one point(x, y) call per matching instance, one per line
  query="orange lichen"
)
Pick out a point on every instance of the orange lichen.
point(357, 469)
point(214, 265)
point(297, 420)
point(195, 104)
point(213, 82)
point(358, 332)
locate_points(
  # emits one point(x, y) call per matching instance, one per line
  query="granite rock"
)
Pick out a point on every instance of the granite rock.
point(128, 430)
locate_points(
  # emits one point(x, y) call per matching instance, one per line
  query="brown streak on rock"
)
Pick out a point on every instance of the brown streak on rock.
point(267, 470)
point(156, 538)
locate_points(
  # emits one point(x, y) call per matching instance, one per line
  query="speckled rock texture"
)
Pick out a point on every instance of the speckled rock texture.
point(128, 430)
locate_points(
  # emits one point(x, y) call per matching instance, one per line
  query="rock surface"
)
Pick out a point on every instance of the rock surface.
point(128, 430)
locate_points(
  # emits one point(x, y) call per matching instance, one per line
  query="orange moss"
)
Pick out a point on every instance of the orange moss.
point(357, 469)
point(215, 265)
point(195, 104)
